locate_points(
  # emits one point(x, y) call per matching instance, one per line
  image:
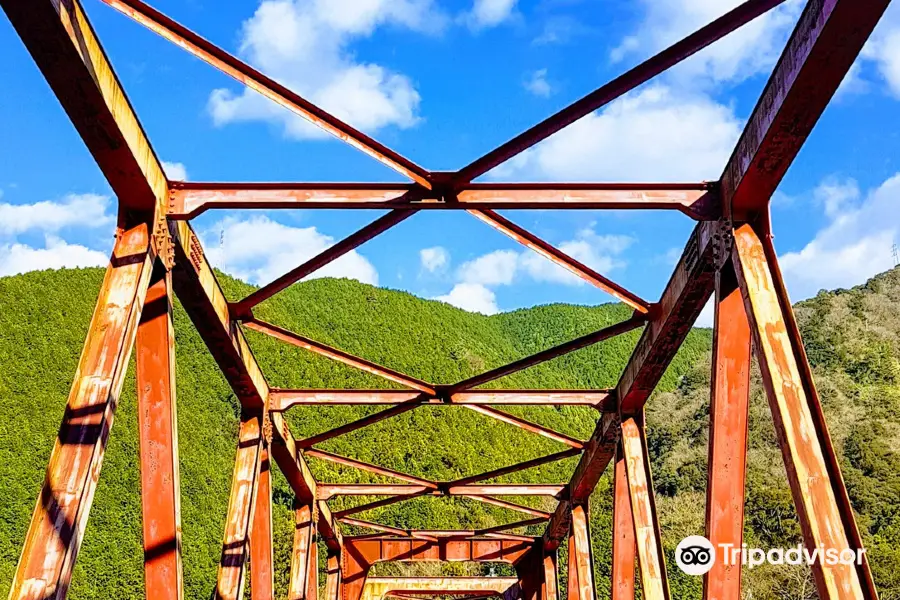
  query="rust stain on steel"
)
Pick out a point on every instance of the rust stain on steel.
point(637, 320)
point(624, 548)
point(241, 505)
point(560, 258)
point(826, 41)
point(654, 582)
point(622, 84)
point(343, 460)
point(327, 256)
point(811, 482)
point(62, 43)
point(265, 86)
point(158, 429)
point(262, 572)
point(57, 524)
point(303, 553)
point(729, 411)
point(526, 425)
point(581, 566)
point(328, 490)
point(339, 355)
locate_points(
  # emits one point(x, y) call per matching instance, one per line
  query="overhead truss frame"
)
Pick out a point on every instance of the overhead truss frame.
point(157, 256)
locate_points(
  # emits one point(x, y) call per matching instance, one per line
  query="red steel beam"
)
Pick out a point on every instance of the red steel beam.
point(623, 84)
point(265, 86)
point(624, 549)
point(651, 560)
point(581, 567)
point(60, 516)
point(508, 505)
point(560, 258)
point(339, 355)
point(358, 424)
point(386, 529)
point(262, 561)
point(820, 495)
point(343, 460)
point(728, 414)
point(380, 225)
point(241, 506)
point(528, 464)
point(158, 429)
point(699, 201)
point(282, 399)
point(527, 426)
point(304, 555)
point(507, 526)
point(62, 43)
point(329, 490)
point(637, 320)
point(820, 52)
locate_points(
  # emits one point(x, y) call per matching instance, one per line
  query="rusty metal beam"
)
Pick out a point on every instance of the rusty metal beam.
point(820, 496)
point(269, 88)
point(623, 84)
point(343, 460)
point(367, 551)
point(329, 490)
point(60, 516)
point(820, 52)
point(303, 554)
point(728, 429)
point(386, 529)
point(359, 424)
point(624, 549)
point(241, 506)
point(528, 464)
point(284, 399)
point(262, 561)
point(527, 425)
point(158, 433)
point(652, 562)
point(242, 309)
point(560, 258)
point(379, 503)
point(637, 320)
point(362, 364)
point(581, 564)
point(60, 39)
point(698, 201)
point(508, 505)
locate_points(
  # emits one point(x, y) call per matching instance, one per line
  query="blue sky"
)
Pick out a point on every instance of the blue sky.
point(443, 82)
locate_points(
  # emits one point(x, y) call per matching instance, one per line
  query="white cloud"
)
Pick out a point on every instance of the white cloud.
point(883, 48)
point(490, 13)
point(836, 195)
point(472, 297)
point(598, 252)
point(175, 171)
point(647, 135)
point(854, 246)
point(752, 49)
point(259, 249)
point(82, 210)
point(495, 268)
point(538, 85)
point(57, 254)
point(304, 44)
point(434, 259)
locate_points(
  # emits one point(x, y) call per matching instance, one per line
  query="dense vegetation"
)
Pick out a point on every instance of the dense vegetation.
point(853, 343)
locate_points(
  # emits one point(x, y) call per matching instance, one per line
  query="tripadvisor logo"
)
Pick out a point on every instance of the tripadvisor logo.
point(696, 555)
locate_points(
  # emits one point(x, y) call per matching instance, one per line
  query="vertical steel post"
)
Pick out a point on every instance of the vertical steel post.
point(158, 430)
point(235, 547)
point(304, 558)
point(59, 518)
point(818, 489)
point(550, 586)
point(728, 413)
point(651, 560)
point(623, 546)
point(262, 572)
point(333, 576)
point(581, 565)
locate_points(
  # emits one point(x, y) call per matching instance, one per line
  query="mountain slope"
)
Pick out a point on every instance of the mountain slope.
point(42, 327)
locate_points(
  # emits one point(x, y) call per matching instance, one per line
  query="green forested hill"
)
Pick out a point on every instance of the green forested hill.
point(44, 316)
